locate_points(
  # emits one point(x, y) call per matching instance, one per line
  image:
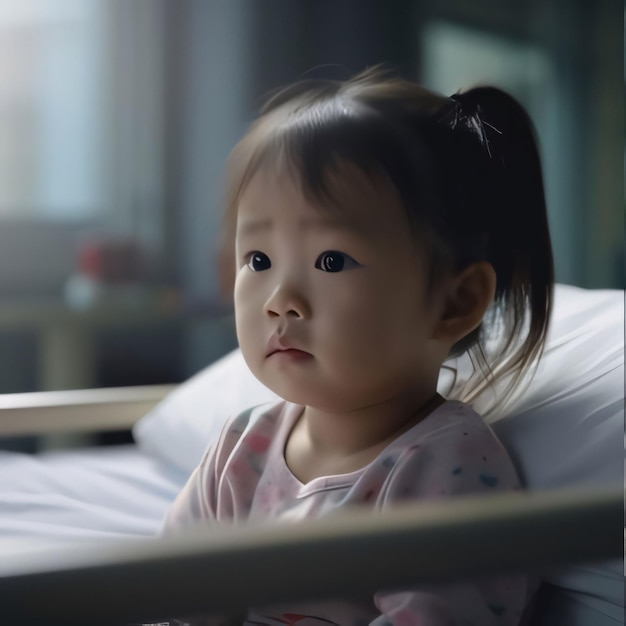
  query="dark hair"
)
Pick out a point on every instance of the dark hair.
point(466, 168)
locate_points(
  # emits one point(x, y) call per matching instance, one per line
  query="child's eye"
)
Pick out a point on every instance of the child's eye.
point(258, 261)
point(333, 261)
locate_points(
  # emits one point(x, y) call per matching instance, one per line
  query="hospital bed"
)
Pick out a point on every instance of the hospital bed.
point(78, 526)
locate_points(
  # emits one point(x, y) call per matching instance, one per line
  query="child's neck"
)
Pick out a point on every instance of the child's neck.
point(325, 444)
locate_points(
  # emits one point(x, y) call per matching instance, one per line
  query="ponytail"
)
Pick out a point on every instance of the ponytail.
point(509, 207)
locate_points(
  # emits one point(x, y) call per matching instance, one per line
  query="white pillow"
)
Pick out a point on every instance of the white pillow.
point(564, 430)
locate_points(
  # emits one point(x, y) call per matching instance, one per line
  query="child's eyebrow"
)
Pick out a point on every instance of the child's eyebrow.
point(249, 227)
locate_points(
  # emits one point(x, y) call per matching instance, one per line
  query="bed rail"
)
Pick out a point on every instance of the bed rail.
point(85, 410)
point(224, 570)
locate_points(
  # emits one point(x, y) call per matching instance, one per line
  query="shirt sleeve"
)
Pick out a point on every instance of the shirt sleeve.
point(203, 498)
point(195, 501)
point(455, 461)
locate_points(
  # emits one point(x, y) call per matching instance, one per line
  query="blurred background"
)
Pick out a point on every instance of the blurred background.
point(116, 117)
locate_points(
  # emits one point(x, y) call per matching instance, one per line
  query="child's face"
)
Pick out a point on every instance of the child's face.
point(343, 285)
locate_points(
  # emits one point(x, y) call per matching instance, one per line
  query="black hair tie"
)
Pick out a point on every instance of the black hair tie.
point(468, 114)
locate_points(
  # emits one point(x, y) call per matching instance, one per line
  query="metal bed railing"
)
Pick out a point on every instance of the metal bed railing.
point(82, 410)
point(224, 570)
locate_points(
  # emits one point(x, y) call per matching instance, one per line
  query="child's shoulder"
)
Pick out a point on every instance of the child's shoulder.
point(265, 420)
point(453, 426)
point(452, 451)
point(267, 412)
point(270, 411)
point(452, 416)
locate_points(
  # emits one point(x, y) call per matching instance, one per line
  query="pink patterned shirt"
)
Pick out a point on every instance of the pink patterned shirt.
point(449, 453)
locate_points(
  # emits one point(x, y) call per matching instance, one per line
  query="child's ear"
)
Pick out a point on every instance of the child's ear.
point(466, 300)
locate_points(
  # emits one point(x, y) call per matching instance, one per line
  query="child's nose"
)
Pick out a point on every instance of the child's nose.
point(288, 300)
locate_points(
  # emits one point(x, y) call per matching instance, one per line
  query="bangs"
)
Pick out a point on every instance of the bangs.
point(314, 142)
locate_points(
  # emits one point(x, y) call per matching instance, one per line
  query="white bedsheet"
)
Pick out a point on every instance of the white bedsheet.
point(73, 497)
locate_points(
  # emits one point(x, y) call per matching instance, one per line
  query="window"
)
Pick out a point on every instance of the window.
point(81, 127)
point(52, 104)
